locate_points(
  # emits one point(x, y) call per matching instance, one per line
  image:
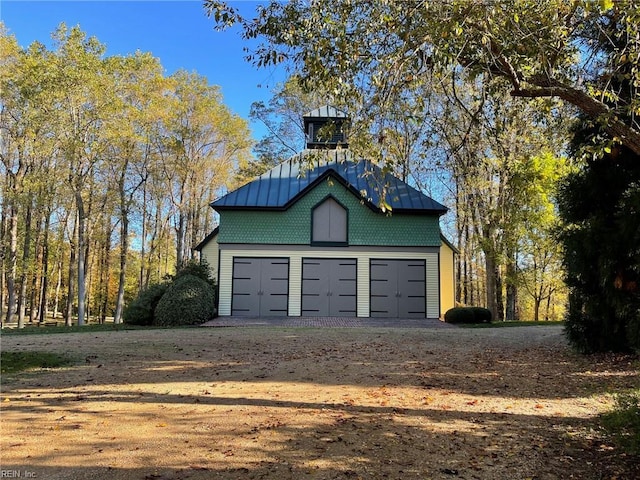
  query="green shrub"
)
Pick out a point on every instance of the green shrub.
point(141, 310)
point(189, 300)
point(467, 315)
point(623, 423)
point(197, 269)
point(482, 315)
point(459, 315)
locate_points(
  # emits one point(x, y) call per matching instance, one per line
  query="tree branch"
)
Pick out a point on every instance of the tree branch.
point(545, 87)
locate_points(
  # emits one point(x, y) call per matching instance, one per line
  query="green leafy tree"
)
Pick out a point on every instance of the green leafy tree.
point(26, 161)
point(539, 266)
point(201, 142)
point(369, 52)
point(83, 94)
point(96, 151)
point(138, 88)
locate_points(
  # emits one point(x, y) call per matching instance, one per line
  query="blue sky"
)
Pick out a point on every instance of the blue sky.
point(177, 32)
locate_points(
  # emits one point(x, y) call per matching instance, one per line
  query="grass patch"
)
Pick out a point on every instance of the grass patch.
point(15, 362)
point(96, 327)
point(510, 324)
point(623, 422)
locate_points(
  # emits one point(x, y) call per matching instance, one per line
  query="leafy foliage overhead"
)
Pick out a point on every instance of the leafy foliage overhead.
point(373, 52)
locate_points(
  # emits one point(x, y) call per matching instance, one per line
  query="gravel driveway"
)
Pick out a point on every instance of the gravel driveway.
point(313, 403)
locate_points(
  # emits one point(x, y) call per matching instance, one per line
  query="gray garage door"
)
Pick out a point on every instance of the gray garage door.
point(329, 287)
point(397, 288)
point(260, 286)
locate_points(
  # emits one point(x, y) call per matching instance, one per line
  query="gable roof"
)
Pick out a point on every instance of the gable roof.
point(284, 184)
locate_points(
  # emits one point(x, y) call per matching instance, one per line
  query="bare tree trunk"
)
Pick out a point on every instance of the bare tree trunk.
point(3, 254)
point(73, 244)
point(26, 254)
point(511, 275)
point(466, 291)
point(490, 273)
point(56, 301)
point(499, 295)
point(81, 260)
point(124, 250)
point(34, 298)
point(143, 239)
point(548, 307)
point(44, 283)
point(536, 309)
point(511, 311)
point(459, 267)
point(13, 263)
point(34, 292)
point(59, 267)
point(180, 241)
point(106, 272)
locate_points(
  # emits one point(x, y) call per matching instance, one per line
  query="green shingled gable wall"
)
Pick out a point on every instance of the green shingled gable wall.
point(293, 226)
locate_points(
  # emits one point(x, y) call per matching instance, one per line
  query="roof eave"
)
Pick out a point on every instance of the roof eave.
point(420, 211)
point(207, 239)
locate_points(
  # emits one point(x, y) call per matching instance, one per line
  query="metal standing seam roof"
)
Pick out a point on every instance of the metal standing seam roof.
point(284, 184)
point(326, 111)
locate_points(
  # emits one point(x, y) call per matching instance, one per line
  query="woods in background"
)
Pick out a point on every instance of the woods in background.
point(108, 168)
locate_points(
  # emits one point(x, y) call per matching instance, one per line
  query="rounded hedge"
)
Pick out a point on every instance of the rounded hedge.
point(197, 269)
point(141, 310)
point(189, 300)
point(468, 315)
point(482, 315)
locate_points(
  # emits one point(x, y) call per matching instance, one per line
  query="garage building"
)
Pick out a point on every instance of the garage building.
point(325, 234)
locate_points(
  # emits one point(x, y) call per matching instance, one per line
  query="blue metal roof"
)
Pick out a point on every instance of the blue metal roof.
point(284, 184)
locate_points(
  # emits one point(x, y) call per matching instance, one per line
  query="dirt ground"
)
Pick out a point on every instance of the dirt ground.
point(306, 403)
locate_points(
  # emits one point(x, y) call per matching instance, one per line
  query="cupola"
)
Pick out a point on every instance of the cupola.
point(326, 127)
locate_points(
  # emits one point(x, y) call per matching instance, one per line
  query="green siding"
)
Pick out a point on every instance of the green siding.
point(293, 226)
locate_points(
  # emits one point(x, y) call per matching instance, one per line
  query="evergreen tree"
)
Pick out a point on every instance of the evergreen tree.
point(600, 205)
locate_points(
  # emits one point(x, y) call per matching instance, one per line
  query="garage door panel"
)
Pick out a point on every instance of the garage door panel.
point(412, 307)
point(397, 288)
point(329, 287)
point(412, 271)
point(274, 304)
point(245, 283)
point(411, 284)
point(343, 304)
point(314, 287)
point(274, 286)
point(260, 286)
point(379, 286)
point(383, 291)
